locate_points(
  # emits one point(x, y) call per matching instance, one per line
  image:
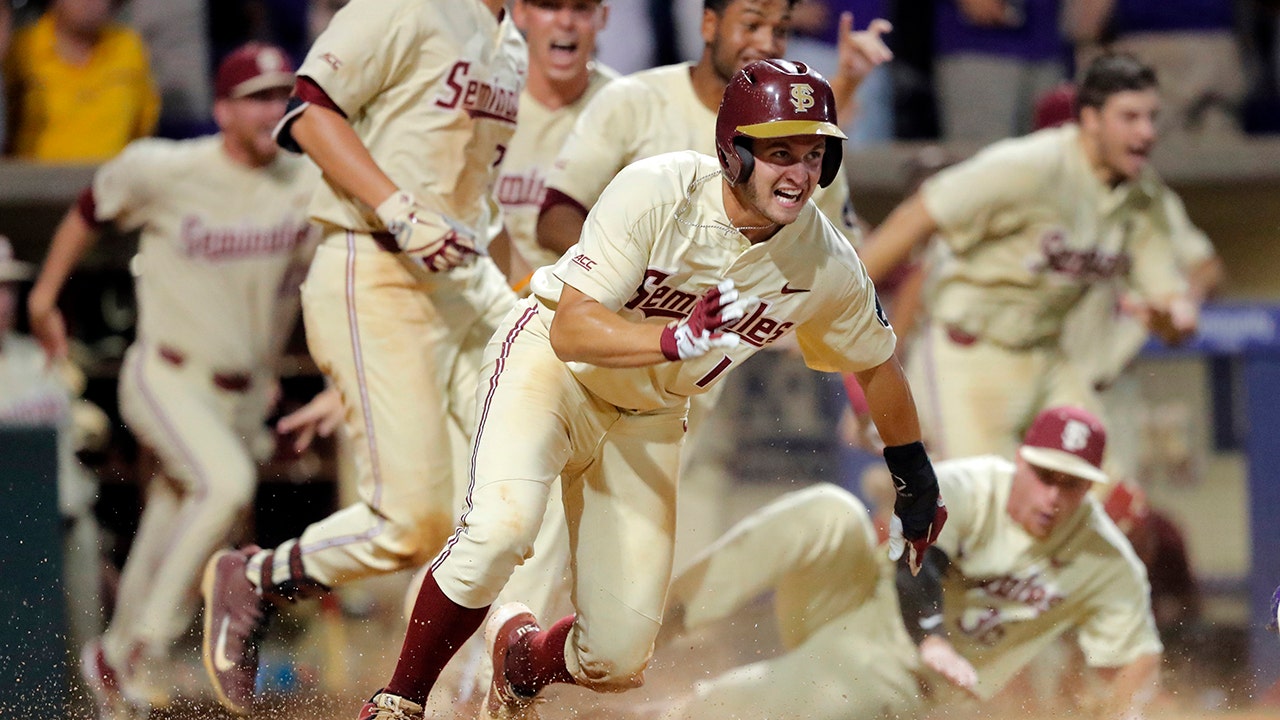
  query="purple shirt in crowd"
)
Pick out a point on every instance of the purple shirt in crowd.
point(1138, 16)
point(1037, 38)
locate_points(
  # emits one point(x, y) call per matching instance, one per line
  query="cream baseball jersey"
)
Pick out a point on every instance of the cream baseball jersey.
point(652, 112)
point(659, 238)
point(1103, 339)
point(440, 126)
point(223, 247)
point(522, 179)
point(1010, 595)
point(1029, 228)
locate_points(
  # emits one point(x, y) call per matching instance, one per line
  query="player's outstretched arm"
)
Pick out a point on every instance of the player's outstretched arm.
point(919, 512)
point(583, 330)
point(330, 142)
point(1130, 688)
point(435, 241)
point(906, 228)
point(73, 238)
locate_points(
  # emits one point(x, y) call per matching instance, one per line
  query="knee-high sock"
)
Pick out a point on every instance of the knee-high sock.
point(438, 627)
point(537, 659)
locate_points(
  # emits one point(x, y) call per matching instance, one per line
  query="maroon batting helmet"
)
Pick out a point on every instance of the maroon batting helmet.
point(772, 99)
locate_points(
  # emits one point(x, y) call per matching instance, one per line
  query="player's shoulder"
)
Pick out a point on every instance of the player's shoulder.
point(158, 153)
point(656, 81)
point(666, 172)
point(599, 75)
point(1044, 148)
point(977, 474)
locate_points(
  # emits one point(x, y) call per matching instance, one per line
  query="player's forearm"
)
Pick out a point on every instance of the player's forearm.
point(509, 260)
point(908, 226)
point(559, 227)
point(334, 146)
point(1130, 688)
point(73, 238)
point(889, 398)
point(1204, 278)
point(583, 330)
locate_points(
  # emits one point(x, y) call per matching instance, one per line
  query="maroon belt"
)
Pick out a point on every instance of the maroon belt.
point(960, 337)
point(236, 382)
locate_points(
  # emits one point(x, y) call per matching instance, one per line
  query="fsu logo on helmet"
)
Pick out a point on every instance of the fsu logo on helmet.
point(801, 96)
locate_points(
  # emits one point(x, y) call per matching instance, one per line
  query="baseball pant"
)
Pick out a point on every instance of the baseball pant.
point(618, 471)
point(203, 436)
point(847, 654)
point(978, 398)
point(403, 346)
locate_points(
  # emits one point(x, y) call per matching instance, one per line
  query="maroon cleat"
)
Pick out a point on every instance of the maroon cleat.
point(385, 706)
point(104, 683)
point(508, 624)
point(235, 617)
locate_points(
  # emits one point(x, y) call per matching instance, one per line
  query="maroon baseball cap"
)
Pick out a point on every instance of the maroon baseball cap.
point(1055, 107)
point(1066, 439)
point(251, 68)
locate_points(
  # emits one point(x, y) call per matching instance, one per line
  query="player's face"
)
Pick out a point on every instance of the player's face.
point(561, 35)
point(1124, 131)
point(85, 16)
point(786, 175)
point(749, 30)
point(247, 122)
point(1041, 498)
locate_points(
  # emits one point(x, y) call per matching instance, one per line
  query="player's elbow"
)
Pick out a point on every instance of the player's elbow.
point(559, 222)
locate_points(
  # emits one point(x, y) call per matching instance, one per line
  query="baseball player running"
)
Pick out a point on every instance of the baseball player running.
point(224, 242)
point(1027, 556)
point(687, 266)
point(632, 118)
point(407, 106)
point(1028, 225)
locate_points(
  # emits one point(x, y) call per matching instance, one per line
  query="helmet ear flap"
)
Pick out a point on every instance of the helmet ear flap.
point(743, 146)
point(831, 159)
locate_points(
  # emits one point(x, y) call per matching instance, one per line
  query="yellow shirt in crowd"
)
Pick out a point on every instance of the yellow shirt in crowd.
point(64, 112)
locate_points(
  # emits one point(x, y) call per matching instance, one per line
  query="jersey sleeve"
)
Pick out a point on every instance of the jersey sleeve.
point(851, 332)
point(1121, 628)
point(1155, 272)
point(960, 486)
point(611, 257)
point(1190, 244)
point(124, 186)
point(367, 47)
point(967, 198)
point(600, 144)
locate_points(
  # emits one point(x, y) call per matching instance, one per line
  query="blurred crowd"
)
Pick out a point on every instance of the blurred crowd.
point(84, 77)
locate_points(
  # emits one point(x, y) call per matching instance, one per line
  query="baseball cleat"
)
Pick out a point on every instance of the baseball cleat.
point(235, 617)
point(385, 706)
point(508, 624)
point(104, 684)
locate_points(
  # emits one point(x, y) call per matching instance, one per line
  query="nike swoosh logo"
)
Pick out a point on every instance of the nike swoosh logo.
point(220, 660)
point(788, 290)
